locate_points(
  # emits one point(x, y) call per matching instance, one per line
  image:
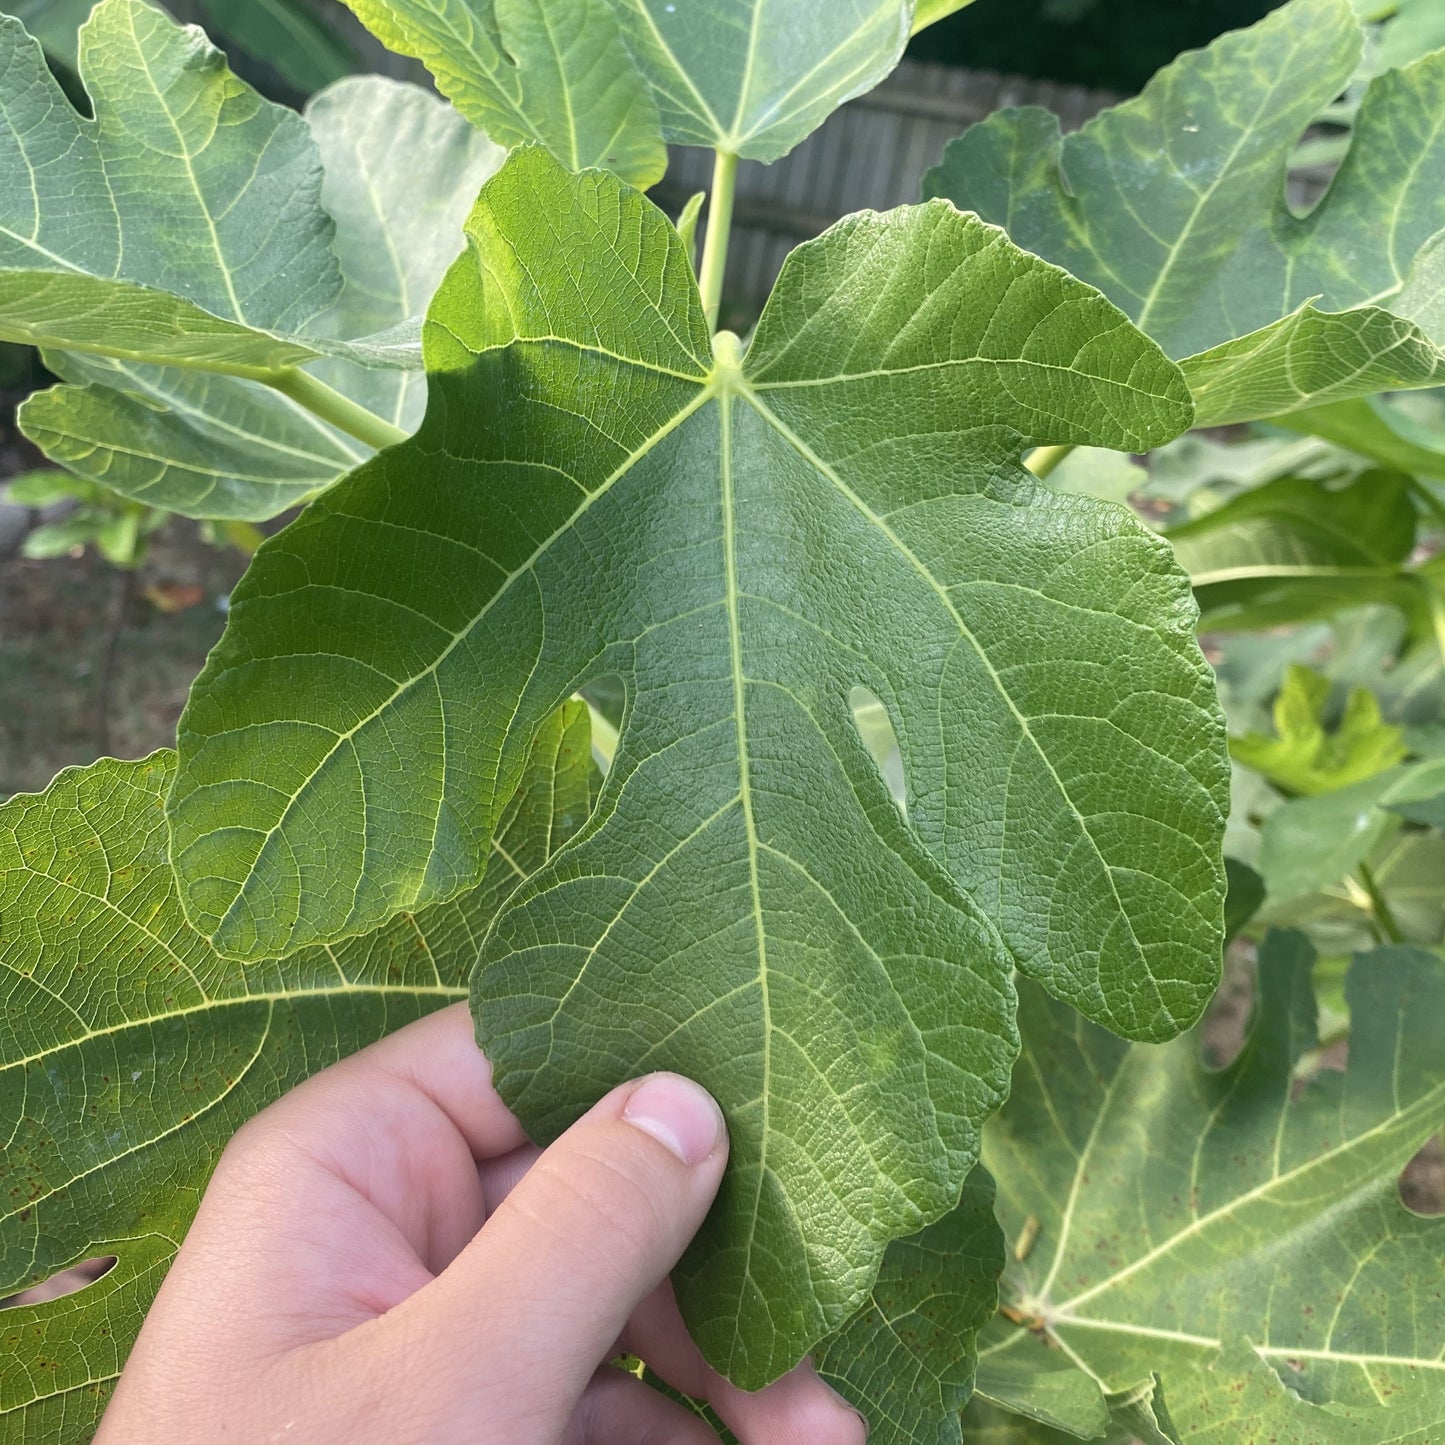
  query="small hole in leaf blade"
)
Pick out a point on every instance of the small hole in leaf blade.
point(67, 1281)
point(606, 699)
point(875, 730)
point(1422, 1181)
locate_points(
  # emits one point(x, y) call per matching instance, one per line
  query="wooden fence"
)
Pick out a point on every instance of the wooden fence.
point(869, 154)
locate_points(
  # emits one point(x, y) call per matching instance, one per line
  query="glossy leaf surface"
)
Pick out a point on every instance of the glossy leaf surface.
point(1295, 549)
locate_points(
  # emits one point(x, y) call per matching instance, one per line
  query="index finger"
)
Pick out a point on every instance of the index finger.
point(439, 1058)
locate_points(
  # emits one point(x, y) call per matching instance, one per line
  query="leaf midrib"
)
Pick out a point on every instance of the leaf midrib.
point(189, 160)
point(735, 650)
point(965, 634)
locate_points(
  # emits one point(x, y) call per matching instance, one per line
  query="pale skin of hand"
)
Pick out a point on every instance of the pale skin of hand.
point(382, 1256)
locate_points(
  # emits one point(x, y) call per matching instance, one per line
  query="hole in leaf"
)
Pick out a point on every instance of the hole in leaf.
point(1318, 155)
point(606, 699)
point(66, 1281)
point(1422, 1181)
point(875, 729)
point(1226, 1023)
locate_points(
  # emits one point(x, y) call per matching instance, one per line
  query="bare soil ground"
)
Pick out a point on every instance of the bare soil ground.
point(57, 617)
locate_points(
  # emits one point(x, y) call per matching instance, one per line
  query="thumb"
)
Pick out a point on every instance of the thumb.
point(540, 1295)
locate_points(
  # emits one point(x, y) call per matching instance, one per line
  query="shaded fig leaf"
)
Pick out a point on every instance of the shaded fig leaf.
point(1181, 1208)
point(306, 51)
point(1296, 549)
point(1429, 812)
point(984, 1423)
point(1244, 898)
point(1311, 843)
point(402, 170)
point(755, 77)
point(130, 1052)
point(1173, 204)
point(906, 1360)
point(553, 71)
point(54, 23)
point(189, 441)
point(1375, 428)
point(1043, 1388)
point(743, 541)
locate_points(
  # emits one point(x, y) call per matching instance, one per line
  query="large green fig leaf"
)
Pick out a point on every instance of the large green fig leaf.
point(1188, 1218)
point(130, 1052)
point(743, 541)
point(1173, 204)
point(755, 77)
point(402, 170)
point(554, 71)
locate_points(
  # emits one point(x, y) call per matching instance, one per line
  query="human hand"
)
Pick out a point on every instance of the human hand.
point(382, 1256)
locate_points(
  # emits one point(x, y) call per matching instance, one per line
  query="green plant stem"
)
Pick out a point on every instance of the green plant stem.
point(719, 227)
point(1043, 460)
point(1379, 908)
point(331, 406)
